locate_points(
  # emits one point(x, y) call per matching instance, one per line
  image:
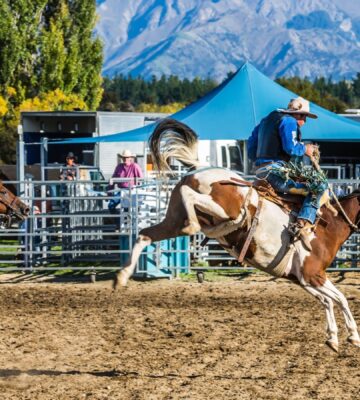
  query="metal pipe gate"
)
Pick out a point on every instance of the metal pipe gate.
point(70, 227)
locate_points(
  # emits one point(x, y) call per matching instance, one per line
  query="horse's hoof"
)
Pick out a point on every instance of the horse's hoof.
point(333, 345)
point(355, 342)
point(120, 280)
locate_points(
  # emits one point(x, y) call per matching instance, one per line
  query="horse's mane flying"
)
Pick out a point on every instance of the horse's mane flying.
point(172, 138)
point(355, 193)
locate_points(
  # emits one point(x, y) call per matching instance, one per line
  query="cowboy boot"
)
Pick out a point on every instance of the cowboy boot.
point(304, 232)
point(301, 229)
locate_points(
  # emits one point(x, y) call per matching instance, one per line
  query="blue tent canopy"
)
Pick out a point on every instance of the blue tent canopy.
point(234, 108)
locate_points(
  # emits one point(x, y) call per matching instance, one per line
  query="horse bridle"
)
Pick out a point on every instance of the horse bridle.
point(10, 209)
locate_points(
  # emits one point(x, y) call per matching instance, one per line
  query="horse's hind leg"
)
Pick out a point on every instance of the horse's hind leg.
point(203, 202)
point(123, 276)
point(169, 228)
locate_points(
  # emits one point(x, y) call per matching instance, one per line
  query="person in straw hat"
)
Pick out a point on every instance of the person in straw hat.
point(128, 169)
point(275, 146)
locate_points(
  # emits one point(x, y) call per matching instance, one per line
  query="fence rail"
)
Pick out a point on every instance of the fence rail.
point(70, 226)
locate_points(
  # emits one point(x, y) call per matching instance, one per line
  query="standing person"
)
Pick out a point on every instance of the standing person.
point(68, 172)
point(128, 168)
point(276, 141)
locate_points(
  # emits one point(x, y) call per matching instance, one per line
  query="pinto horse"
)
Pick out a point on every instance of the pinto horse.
point(212, 201)
point(12, 209)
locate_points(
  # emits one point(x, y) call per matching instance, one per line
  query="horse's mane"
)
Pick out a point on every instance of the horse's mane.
point(355, 193)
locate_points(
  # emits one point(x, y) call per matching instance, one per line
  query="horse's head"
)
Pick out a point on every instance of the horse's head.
point(351, 206)
point(12, 209)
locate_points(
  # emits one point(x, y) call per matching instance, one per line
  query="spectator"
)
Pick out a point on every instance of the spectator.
point(68, 172)
point(128, 168)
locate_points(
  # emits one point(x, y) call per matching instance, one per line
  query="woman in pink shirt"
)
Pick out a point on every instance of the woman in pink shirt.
point(127, 169)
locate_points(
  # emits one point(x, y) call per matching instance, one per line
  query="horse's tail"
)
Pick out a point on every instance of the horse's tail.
point(172, 138)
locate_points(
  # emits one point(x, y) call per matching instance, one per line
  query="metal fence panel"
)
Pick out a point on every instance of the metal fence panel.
point(70, 226)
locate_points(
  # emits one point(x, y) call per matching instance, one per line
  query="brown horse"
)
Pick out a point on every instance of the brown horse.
point(210, 200)
point(12, 209)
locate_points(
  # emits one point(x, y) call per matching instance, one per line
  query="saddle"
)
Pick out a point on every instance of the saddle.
point(288, 202)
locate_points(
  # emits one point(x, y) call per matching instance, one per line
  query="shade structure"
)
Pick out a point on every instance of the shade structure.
point(234, 108)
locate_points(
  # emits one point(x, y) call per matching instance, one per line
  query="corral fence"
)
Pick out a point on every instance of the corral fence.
point(71, 227)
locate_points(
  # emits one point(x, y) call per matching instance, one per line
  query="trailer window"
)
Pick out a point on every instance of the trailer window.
point(224, 157)
point(235, 158)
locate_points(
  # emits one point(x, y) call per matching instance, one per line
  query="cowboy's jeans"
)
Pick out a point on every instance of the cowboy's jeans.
point(312, 201)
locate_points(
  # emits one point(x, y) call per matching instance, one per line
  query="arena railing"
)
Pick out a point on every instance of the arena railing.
point(71, 227)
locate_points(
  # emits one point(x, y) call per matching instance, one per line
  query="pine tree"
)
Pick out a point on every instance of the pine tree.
point(356, 90)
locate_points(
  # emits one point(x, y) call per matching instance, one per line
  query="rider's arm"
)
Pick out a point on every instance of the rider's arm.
point(138, 171)
point(116, 174)
point(253, 143)
point(288, 132)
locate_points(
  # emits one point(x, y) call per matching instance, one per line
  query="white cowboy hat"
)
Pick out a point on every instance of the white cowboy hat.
point(298, 106)
point(127, 153)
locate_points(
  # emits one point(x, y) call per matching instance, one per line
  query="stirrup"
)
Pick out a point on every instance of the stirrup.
point(294, 230)
point(298, 232)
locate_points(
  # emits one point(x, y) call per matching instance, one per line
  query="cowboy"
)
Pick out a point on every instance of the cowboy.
point(272, 145)
point(128, 168)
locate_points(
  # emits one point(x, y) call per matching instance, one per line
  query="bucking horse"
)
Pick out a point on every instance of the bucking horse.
point(248, 225)
point(12, 209)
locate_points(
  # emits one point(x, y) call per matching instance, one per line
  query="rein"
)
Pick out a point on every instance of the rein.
point(353, 226)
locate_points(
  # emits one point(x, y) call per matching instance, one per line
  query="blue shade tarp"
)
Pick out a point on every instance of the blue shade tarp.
point(234, 108)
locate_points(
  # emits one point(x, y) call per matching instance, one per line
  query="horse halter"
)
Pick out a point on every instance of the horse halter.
point(11, 211)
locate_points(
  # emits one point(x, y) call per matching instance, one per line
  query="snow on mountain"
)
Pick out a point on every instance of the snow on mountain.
point(205, 38)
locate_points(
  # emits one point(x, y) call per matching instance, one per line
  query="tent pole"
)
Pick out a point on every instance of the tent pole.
point(245, 158)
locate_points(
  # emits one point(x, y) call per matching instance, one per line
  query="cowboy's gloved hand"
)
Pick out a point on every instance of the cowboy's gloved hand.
point(309, 150)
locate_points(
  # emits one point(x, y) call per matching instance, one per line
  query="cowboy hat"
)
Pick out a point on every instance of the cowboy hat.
point(70, 155)
point(298, 106)
point(127, 153)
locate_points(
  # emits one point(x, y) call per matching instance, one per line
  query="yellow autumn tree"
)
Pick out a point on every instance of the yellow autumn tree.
point(3, 107)
point(167, 109)
point(55, 100)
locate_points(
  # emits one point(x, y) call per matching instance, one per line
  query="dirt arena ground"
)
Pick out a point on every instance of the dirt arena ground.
point(237, 338)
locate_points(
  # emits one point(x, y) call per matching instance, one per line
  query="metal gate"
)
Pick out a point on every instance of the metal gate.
point(70, 227)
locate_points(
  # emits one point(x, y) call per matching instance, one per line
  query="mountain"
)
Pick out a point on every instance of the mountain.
point(209, 38)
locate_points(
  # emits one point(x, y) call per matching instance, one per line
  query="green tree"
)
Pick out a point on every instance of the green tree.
point(9, 45)
point(47, 47)
point(318, 92)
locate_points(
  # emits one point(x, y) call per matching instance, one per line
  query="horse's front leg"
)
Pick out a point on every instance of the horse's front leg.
point(331, 291)
point(331, 327)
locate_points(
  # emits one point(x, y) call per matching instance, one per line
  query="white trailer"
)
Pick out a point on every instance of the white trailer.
point(222, 153)
point(116, 122)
